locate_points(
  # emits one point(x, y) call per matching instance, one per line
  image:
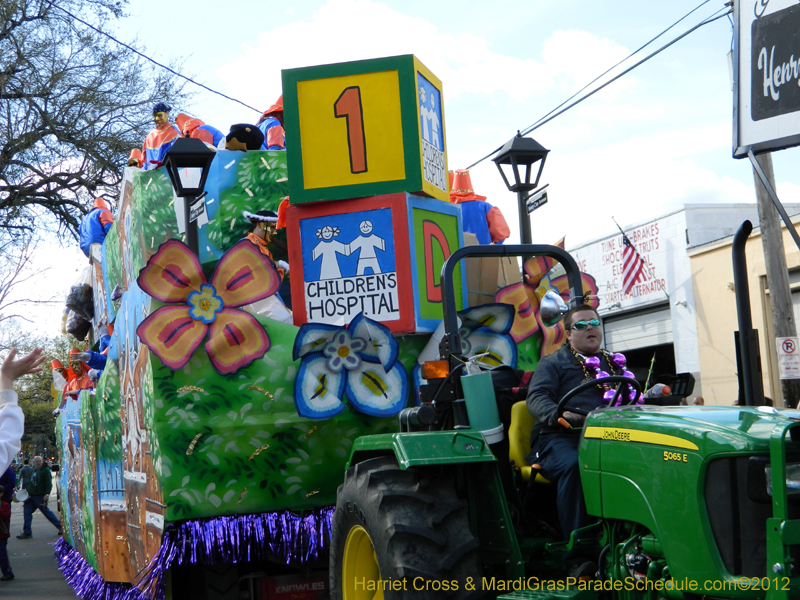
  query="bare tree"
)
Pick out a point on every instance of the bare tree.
point(72, 105)
point(16, 279)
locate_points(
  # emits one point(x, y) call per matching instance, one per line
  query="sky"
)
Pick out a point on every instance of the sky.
point(654, 140)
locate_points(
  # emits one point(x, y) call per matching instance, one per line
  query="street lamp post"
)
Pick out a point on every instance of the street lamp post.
point(516, 153)
point(188, 163)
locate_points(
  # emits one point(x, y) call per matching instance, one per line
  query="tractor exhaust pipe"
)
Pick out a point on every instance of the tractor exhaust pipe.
point(747, 347)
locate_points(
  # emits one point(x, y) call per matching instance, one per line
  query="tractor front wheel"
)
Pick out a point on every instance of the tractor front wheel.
point(400, 535)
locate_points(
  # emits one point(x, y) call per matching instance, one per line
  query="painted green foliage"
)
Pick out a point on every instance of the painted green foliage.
point(61, 432)
point(109, 422)
point(528, 352)
point(88, 408)
point(112, 266)
point(153, 212)
point(259, 184)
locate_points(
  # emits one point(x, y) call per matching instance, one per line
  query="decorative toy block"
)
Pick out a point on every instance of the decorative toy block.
point(382, 256)
point(364, 128)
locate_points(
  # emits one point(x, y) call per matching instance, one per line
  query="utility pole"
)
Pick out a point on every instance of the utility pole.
point(780, 296)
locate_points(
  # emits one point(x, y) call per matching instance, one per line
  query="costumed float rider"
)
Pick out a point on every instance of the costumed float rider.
point(192, 127)
point(479, 217)
point(60, 374)
point(553, 446)
point(82, 381)
point(271, 125)
point(95, 225)
point(265, 224)
point(158, 141)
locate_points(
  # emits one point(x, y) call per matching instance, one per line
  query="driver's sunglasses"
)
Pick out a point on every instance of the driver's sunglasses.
point(581, 325)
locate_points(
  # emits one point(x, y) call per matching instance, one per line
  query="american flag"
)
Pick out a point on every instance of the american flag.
point(632, 266)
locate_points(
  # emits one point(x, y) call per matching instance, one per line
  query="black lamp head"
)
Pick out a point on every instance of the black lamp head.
point(188, 162)
point(517, 153)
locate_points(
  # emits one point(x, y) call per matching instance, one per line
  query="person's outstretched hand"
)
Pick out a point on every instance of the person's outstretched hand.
point(14, 367)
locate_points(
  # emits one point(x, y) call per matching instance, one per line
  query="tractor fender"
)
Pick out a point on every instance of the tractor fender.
point(424, 448)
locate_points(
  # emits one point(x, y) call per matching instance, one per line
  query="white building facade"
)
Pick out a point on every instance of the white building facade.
point(655, 319)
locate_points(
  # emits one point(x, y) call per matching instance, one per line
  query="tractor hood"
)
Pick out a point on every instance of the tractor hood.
point(706, 429)
point(684, 473)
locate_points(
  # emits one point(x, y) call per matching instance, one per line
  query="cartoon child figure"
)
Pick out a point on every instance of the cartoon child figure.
point(424, 114)
point(433, 117)
point(367, 243)
point(328, 248)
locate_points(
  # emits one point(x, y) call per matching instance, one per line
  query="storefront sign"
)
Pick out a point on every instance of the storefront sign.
point(766, 72)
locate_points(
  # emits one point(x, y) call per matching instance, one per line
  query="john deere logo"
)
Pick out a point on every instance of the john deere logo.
point(617, 435)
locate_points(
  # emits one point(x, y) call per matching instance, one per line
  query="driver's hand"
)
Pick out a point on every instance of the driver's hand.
point(574, 419)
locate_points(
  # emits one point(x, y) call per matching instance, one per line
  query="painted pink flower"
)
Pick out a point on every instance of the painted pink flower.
point(196, 308)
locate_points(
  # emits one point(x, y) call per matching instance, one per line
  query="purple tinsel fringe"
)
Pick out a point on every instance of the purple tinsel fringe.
point(221, 540)
point(85, 580)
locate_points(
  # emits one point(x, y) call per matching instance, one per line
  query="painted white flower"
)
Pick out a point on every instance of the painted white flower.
point(342, 351)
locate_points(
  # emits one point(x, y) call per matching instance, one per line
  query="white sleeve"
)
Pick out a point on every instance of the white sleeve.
point(12, 423)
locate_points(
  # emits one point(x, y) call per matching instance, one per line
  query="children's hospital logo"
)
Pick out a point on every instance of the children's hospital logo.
point(430, 116)
point(349, 267)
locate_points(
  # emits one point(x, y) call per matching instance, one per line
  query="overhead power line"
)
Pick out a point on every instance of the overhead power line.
point(556, 112)
point(543, 120)
point(155, 62)
point(634, 53)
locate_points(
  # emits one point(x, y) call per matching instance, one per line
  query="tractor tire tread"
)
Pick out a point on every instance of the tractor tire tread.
point(417, 524)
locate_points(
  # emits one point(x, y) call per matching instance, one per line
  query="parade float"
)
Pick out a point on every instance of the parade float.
point(359, 451)
point(216, 438)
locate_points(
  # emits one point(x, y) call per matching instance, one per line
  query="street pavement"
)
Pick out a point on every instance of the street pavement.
point(36, 574)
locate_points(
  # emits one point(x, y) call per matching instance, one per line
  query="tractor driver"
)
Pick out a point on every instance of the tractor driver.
point(553, 446)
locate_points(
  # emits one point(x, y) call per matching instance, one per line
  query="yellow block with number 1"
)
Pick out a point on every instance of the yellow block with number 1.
point(364, 144)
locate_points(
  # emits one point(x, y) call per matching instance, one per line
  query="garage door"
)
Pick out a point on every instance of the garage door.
point(639, 330)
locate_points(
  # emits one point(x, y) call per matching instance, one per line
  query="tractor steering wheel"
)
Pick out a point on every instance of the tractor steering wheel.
point(562, 405)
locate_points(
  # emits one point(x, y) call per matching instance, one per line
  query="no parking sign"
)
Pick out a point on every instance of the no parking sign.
point(788, 357)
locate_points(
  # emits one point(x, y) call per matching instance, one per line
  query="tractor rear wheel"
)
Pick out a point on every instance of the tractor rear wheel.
point(400, 535)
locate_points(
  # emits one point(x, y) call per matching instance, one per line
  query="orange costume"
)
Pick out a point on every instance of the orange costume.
point(478, 216)
point(195, 128)
point(271, 125)
point(81, 380)
point(262, 247)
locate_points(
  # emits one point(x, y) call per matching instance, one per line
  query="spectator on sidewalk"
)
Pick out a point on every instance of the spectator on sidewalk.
point(25, 474)
point(7, 482)
point(39, 487)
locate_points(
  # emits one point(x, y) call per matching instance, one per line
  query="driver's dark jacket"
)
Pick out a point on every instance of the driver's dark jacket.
point(555, 375)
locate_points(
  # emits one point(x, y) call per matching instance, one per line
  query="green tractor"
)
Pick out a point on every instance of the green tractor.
point(687, 501)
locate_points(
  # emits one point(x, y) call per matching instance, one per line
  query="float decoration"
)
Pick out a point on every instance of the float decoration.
point(242, 538)
point(86, 582)
point(526, 297)
point(485, 333)
point(196, 308)
point(359, 360)
point(222, 540)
